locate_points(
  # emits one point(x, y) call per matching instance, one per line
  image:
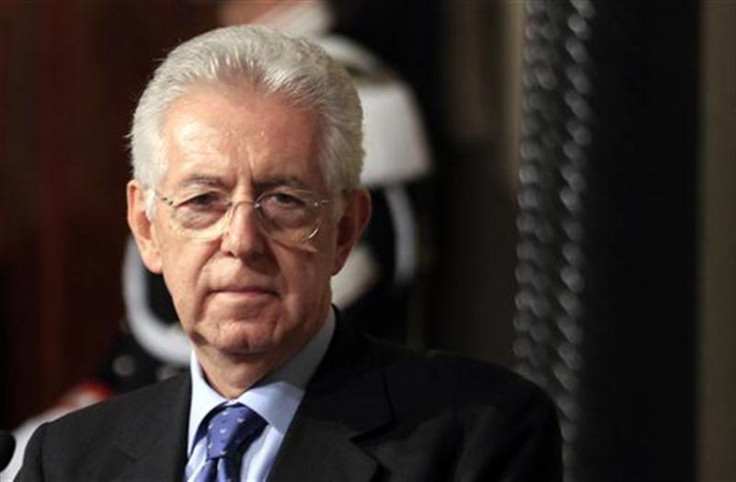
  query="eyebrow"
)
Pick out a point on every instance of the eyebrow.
point(279, 181)
point(269, 182)
point(209, 181)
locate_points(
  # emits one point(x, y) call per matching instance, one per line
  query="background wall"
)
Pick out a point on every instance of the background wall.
point(718, 243)
point(475, 218)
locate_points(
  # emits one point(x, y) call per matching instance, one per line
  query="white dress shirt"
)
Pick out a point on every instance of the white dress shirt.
point(275, 398)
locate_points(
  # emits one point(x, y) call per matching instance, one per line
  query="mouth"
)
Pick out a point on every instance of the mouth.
point(244, 292)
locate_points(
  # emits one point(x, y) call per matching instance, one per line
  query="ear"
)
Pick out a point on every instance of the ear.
point(351, 225)
point(143, 229)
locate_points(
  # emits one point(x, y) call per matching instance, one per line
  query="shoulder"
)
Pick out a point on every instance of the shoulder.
point(431, 381)
point(442, 380)
point(134, 404)
point(92, 426)
point(98, 441)
point(478, 417)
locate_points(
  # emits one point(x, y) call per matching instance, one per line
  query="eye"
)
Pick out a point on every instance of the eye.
point(283, 199)
point(205, 201)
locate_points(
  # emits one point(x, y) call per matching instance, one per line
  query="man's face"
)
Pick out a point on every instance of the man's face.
point(244, 294)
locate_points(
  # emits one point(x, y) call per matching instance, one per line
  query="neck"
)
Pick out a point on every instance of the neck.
point(231, 376)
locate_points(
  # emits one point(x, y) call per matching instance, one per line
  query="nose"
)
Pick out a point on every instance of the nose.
point(243, 236)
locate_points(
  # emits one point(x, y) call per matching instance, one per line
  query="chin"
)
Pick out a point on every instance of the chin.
point(243, 337)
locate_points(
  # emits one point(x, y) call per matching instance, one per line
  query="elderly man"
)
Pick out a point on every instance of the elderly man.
point(246, 156)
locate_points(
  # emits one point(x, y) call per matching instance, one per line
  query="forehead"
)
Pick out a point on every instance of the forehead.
point(236, 134)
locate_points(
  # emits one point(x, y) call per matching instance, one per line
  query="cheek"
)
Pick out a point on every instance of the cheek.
point(182, 270)
point(177, 284)
point(307, 277)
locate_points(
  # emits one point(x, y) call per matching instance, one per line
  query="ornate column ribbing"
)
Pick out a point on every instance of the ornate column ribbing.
point(605, 258)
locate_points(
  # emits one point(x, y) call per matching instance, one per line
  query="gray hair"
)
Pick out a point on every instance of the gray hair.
point(270, 62)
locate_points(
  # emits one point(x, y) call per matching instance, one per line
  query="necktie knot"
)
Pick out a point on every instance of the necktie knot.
point(230, 429)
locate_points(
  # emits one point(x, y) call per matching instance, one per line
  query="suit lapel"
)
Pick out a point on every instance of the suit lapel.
point(154, 442)
point(345, 401)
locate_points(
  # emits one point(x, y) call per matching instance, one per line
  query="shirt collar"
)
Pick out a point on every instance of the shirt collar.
point(276, 397)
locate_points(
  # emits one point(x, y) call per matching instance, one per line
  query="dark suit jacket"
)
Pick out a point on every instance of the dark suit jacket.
point(372, 412)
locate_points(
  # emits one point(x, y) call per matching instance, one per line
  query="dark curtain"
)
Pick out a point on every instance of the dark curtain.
point(606, 255)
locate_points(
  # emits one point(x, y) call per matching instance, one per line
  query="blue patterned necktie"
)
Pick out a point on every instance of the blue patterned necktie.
point(229, 433)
